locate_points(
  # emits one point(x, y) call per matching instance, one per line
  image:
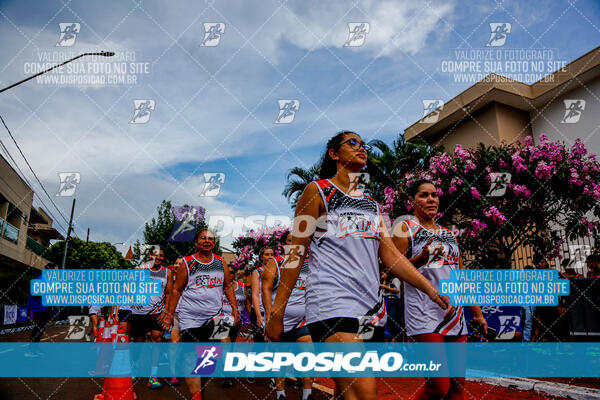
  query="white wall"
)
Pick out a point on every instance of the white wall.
point(588, 126)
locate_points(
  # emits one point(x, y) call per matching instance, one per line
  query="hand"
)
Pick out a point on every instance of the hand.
point(274, 327)
point(483, 323)
point(260, 321)
point(424, 256)
point(161, 317)
point(166, 321)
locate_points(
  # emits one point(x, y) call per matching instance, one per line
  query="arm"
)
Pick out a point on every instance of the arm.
point(268, 279)
point(389, 288)
point(255, 299)
point(168, 291)
point(400, 266)
point(229, 293)
point(400, 239)
point(310, 206)
point(181, 279)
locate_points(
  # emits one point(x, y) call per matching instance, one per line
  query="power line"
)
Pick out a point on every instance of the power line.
point(34, 174)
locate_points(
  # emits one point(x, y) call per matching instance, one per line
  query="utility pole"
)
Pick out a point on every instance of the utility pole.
point(87, 238)
point(68, 235)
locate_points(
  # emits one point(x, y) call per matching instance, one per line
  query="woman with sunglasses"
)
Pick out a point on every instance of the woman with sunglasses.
point(347, 237)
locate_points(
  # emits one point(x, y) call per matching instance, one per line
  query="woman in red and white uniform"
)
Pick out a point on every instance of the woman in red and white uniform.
point(347, 237)
point(198, 295)
point(434, 250)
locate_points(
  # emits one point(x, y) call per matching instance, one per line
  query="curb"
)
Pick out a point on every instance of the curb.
point(550, 388)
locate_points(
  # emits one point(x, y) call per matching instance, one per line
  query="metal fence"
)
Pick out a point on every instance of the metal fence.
point(576, 250)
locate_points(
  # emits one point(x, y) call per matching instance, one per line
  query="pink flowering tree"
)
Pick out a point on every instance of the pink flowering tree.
point(248, 245)
point(552, 188)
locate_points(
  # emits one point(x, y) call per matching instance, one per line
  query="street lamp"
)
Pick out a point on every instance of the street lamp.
point(102, 54)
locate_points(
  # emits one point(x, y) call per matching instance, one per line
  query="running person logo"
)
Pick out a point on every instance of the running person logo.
point(142, 110)
point(366, 329)
point(77, 325)
point(573, 111)
point(357, 33)
point(68, 33)
point(221, 329)
point(293, 252)
point(68, 183)
point(499, 183)
point(186, 222)
point(287, 111)
point(499, 33)
point(508, 326)
point(212, 34)
point(358, 182)
point(212, 184)
point(207, 359)
point(431, 110)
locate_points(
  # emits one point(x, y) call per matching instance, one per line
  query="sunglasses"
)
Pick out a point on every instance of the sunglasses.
point(355, 144)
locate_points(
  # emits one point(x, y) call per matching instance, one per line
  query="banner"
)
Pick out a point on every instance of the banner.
point(10, 315)
point(22, 313)
point(277, 359)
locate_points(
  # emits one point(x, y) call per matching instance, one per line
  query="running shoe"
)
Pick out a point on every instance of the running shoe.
point(173, 381)
point(153, 383)
point(227, 383)
point(272, 385)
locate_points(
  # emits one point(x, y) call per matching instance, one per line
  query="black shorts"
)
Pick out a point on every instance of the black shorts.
point(141, 324)
point(234, 330)
point(295, 334)
point(199, 334)
point(124, 315)
point(321, 330)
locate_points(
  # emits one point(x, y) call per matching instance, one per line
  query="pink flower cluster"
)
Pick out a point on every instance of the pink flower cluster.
point(544, 171)
point(495, 215)
point(476, 227)
point(520, 190)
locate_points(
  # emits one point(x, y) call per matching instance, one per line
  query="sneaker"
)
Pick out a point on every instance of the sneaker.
point(272, 385)
point(173, 381)
point(153, 383)
point(251, 379)
point(226, 383)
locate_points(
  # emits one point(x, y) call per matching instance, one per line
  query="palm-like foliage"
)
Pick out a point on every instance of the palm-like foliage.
point(387, 165)
point(297, 180)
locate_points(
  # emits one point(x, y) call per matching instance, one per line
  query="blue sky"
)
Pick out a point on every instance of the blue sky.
point(215, 106)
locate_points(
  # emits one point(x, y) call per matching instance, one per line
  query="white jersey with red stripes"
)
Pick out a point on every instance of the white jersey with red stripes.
point(157, 302)
point(344, 261)
point(422, 315)
point(202, 297)
point(295, 311)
